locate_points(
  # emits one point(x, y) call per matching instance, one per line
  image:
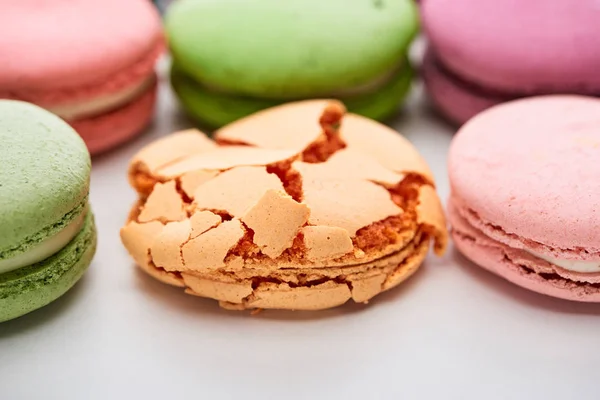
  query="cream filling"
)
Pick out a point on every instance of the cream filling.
point(370, 86)
point(570, 265)
point(366, 87)
point(45, 248)
point(103, 103)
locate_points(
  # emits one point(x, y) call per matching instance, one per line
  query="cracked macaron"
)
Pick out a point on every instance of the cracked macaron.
point(47, 232)
point(89, 62)
point(234, 58)
point(525, 192)
point(300, 206)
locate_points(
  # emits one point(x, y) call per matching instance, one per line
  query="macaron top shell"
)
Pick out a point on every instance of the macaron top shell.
point(518, 46)
point(289, 49)
point(529, 170)
point(280, 183)
point(62, 44)
point(44, 175)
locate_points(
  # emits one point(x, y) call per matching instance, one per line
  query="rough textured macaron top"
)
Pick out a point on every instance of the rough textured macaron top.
point(528, 171)
point(518, 46)
point(75, 45)
point(44, 175)
point(312, 196)
point(284, 49)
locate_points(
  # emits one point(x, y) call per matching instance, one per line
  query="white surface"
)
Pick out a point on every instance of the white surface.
point(452, 331)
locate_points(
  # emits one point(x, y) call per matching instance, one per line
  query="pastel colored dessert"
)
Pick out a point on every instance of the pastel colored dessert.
point(47, 232)
point(485, 52)
point(530, 211)
point(234, 58)
point(91, 63)
point(300, 206)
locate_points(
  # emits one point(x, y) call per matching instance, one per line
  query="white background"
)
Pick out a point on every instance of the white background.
point(452, 331)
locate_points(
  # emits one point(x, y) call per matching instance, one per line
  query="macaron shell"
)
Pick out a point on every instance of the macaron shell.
point(214, 109)
point(29, 288)
point(454, 101)
point(103, 132)
point(516, 46)
point(549, 193)
point(382, 275)
point(44, 178)
point(76, 42)
point(492, 256)
point(218, 109)
point(319, 47)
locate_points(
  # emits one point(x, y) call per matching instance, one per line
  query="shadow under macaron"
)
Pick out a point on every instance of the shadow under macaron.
point(35, 319)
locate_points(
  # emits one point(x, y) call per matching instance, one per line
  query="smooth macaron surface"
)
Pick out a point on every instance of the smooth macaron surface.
point(530, 169)
point(70, 44)
point(44, 177)
point(533, 47)
point(287, 50)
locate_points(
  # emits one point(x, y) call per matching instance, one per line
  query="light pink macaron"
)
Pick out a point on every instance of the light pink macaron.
point(90, 62)
point(484, 52)
point(525, 202)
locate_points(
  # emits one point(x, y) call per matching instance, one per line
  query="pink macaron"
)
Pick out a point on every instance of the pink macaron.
point(89, 62)
point(484, 52)
point(525, 202)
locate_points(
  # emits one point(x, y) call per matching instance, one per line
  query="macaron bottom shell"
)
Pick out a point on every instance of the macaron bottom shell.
point(502, 260)
point(454, 101)
point(106, 131)
point(29, 288)
point(362, 283)
point(216, 109)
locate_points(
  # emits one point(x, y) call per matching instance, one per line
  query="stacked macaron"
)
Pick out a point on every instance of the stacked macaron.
point(89, 62)
point(47, 233)
point(296, 207)
point(484, 52)
point(531, 212)
point(232, 58)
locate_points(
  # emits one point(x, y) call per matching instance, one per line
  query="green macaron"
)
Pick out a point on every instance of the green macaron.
point(47, 232)
point(234, 57)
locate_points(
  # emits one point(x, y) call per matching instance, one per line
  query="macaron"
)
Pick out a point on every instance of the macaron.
point(47, 232)
point(89, 62)
point(524, 202)
point(485, 52)
point(301, 206)
point(233, 58)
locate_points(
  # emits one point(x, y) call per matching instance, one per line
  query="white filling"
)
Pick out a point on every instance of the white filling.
point(570, 265)
point(46, 248)
point(101, 104)
point(375, 83)
point(372, 85)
